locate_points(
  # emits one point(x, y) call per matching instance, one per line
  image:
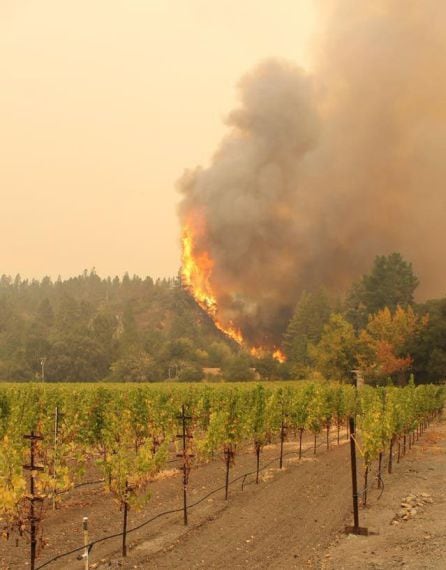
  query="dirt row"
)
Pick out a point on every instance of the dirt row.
point(294, 518)
point(408, 523)
point(62, 530)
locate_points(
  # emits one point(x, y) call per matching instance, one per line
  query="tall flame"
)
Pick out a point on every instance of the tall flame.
point(196, 272)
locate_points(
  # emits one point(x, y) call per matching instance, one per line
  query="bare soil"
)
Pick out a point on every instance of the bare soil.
point(293, 518)
point(409, 520)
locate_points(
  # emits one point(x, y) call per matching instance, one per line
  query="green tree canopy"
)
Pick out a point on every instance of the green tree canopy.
point(390, 283)
point(429, 349)
point(335, 354)
point(238, 368)
point(305, 328)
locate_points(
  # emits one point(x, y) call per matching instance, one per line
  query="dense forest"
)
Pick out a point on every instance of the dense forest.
point(130, 329)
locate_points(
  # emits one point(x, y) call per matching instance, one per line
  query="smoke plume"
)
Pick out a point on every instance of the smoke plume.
point(322, 171)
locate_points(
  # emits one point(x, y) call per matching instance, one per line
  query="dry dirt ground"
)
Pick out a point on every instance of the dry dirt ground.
point(409, 520)
point(292, 519)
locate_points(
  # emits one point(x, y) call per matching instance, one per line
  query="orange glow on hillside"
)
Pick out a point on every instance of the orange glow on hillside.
point(279, 355)
point(196, 273)
point(260, 352)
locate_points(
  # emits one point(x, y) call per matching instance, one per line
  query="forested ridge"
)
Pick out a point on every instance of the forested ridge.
point(89, 328)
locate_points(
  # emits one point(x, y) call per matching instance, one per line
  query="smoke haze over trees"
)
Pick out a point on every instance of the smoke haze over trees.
point(88, 329)
point(133, 329)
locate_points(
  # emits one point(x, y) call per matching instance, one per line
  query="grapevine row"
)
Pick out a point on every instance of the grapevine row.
point(129, 432)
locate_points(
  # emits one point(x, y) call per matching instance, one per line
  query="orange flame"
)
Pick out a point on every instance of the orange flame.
point(257, 352)
point(260, 352)
point(196, 273)
point(279, 356)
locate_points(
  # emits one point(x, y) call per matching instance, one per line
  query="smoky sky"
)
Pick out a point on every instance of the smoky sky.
point(321, 171)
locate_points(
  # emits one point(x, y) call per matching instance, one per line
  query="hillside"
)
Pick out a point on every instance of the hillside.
point(88, 328)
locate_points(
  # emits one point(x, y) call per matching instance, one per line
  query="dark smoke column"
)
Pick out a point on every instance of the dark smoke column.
point(247, 211)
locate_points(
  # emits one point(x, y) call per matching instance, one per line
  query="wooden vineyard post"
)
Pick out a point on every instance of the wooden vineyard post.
point(366, 484)
point(283, 430)
point(390, 464)
point(125, 510)
point(124, 523)
point(86, 555)
point(301, 432)
point(355, 529)
point(33, 468)
point(56, 442)
point(380, 463)
point(257, 446)
point(185, 437)
point(229, 457)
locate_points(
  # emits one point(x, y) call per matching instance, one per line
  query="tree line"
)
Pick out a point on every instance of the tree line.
point(377, 328)
point(87, 328)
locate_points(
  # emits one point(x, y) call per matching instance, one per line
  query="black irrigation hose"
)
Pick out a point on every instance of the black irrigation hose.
point(367, 488)
point(90, 545)
point(174, 511)
point(86, 483)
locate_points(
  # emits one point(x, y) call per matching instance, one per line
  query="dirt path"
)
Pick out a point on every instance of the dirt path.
point(410, 518)
point(62, 529)
point(292, 519)
point(295, 519)
point(282, 523)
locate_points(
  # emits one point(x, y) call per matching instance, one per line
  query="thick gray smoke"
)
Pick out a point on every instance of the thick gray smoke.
point(320, 173)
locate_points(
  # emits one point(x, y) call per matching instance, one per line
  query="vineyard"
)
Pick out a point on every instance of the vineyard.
point(56, 438)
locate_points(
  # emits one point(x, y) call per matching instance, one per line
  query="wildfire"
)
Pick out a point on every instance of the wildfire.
point(260, 352)
point(279, 355)
point(196, 273)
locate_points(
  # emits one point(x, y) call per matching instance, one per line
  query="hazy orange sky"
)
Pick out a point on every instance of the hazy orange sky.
point(103, 103)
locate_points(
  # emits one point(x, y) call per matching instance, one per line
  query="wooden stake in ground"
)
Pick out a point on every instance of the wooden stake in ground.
point(355, 529)
point(33, 468)
point(283, 431)
point(301, 431)
point(229, 459)
point(125, 520)
point(185, 437)
point(56, 441)
point(258, 449)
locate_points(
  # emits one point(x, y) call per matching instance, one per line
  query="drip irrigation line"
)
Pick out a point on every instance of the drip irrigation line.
point(192, 505)
point(86, 483)
point(367, 487)
point(171, 511)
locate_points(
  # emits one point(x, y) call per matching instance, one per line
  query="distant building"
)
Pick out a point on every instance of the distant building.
point(212, 371)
